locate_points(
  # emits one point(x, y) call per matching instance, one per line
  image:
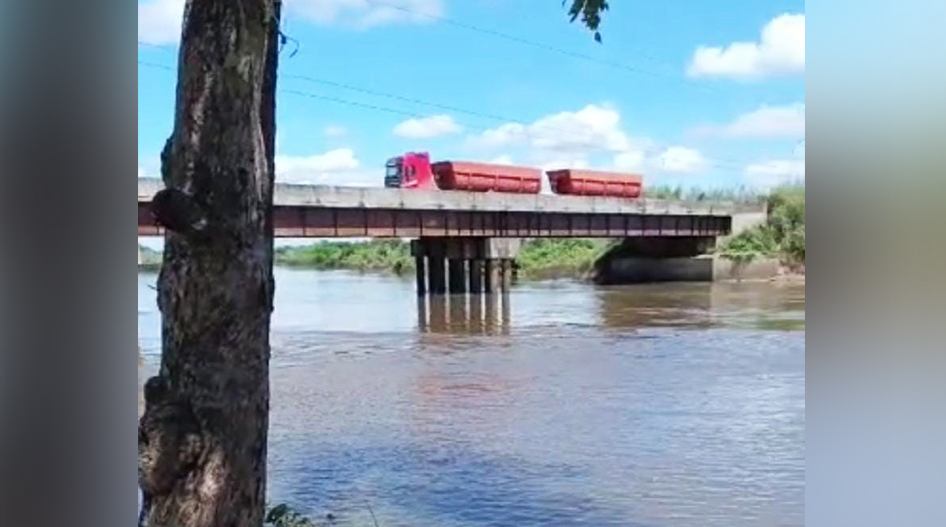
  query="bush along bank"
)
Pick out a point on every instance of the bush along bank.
point(544, 258)
point(375, 255)
point(782, 236)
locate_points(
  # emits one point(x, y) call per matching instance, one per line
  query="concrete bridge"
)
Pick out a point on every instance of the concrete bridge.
point(466, 242)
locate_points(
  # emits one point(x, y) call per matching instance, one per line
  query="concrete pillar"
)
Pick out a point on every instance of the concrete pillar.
point(457, 276)
point(422, 313)
point(437, 274)
point(507, 275)
point(421, 269)
point(493, 276)
point(476, 276)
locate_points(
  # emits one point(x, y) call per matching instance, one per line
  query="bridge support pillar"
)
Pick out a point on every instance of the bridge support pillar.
point(420, 266)
point(437, 273)
point(507, 274)
point(461, 265)
point(493, 276)
point(457, 276)
point(476, 276)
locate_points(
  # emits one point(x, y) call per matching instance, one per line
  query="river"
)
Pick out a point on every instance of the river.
point(651, 405)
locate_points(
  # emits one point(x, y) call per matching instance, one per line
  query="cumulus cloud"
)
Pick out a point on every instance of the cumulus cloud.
point(631, 161)
point(593, 128)
point(769, 174)
point(682, 160)
point(141, 173)
point(159, 21)
point(787, 122)
point(427, 127)
point(339, 166)
point(779, 51)
point(592, 137)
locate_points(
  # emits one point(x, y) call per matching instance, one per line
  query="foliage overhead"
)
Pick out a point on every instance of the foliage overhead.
point(590, 13)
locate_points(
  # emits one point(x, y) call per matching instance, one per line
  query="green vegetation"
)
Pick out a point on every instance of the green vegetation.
point(538, 258)
point(560, 257)
point(737, 195)
point(375, 255)
point(781, 236)
point(150, 259)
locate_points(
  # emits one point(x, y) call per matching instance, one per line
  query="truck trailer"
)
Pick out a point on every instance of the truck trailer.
point(414, 170)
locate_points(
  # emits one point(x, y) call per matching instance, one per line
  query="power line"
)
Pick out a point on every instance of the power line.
point(541, 45)
point(718, 163)
point(326, 82)
point(503, 119)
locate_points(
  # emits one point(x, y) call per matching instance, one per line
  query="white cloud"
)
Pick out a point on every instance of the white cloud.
point(780, 51)
point(593, 128)
point(141, 173)
point(592, 137)
point(363, 14)
point(680, 159)
point(335, 131)
point(766, 122)
point(427, 127)
point(159, 21)
point(502, 160)
point(631, 161)
point(339, 166)
point(769, 174)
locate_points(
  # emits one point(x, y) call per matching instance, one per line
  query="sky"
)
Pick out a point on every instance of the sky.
point(687, 92)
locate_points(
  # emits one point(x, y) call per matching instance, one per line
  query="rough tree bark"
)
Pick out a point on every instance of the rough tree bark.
point(202, 437)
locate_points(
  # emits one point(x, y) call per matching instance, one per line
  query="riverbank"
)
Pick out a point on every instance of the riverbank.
point(782, 236)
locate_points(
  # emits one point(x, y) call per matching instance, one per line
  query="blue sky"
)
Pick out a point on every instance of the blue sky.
point(702, 94)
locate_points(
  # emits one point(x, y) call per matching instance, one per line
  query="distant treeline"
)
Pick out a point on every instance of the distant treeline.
point(741, 195)
point(150, 259)
point(559, 257)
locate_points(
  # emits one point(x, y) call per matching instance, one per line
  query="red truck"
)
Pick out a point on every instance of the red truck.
point(414, 170)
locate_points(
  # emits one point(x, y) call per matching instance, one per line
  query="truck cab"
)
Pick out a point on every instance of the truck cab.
point(412, 170)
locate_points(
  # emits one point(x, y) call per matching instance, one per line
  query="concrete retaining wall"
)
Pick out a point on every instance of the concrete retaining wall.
point(707, 268)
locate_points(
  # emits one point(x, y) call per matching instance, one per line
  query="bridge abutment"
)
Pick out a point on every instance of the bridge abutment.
point(674, 259)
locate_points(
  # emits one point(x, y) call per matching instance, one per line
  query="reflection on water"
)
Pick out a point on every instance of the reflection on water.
point(561, 404)
point(465, 314)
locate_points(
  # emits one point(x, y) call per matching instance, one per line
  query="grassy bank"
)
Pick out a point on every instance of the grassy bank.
point(782, 235)
point(375, 255)
point(549, 258)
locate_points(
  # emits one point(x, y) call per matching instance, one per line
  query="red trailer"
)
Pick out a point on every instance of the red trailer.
point(594, 183)
point(482, 177)
point(414, 170)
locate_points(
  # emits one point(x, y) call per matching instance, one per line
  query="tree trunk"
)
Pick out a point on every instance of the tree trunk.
point(202, 438)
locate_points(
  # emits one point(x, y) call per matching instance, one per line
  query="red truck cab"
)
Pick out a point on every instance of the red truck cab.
point(412, 170)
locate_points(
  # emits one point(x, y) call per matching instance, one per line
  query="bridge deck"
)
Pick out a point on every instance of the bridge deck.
point(337, 212)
